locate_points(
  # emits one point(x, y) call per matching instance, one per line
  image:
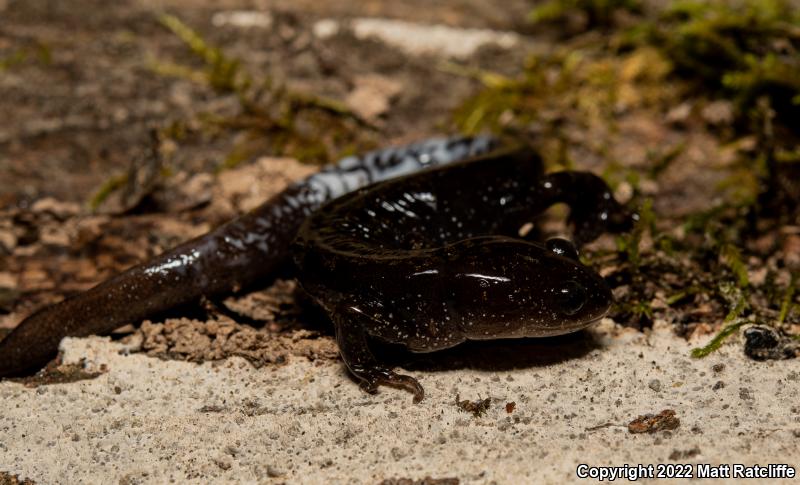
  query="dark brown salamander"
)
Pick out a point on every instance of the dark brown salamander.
point(433, 259)
point(428, 260)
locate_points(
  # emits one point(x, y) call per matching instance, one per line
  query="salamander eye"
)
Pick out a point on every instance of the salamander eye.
point(571, 297)
point(562, 247)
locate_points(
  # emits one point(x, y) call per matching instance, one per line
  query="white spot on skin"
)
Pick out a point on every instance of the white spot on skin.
point(429, 271)
point(293, 202)
point(486, 277)
point(234, 242)
point(180, 260)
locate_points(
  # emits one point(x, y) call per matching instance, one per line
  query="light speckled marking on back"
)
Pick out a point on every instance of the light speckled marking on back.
point(354, 172)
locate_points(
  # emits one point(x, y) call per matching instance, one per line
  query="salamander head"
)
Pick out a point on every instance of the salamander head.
point(503, 287)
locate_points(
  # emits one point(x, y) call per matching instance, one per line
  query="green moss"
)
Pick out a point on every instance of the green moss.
point(175, 130)
point(742, 184)
point(629, 244)
point(661, 160)
point(741, 49)
point(171, 69)
point(640, 310)
point(788, 299)
point(683, 294)
point(732, 258)
point(728, 330)
point(106, 189)
point(235, 157)
point(14, 59)
point(597, 12)
point(223, 73)
point(717, 341)
point(272, 117)
point(572, 90)
point(769, 74)
point(44, 53)
point(499, 100)
point(38, 53)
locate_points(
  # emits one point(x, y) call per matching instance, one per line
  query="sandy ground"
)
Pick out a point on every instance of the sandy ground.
point(153, 421)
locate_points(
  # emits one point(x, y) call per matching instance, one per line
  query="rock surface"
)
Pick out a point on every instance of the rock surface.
point(153, 421)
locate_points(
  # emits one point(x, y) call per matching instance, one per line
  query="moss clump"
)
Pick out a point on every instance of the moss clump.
point(272, 118)
point(575, 90)
point(223, 73)
point(630, 244)
point(598, 13)
point(732, 258)
point(742, 49)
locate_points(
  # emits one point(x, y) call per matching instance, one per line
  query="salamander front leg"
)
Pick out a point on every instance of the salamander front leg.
point(355, 352)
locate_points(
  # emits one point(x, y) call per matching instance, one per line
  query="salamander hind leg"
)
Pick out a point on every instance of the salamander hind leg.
point(354, 349)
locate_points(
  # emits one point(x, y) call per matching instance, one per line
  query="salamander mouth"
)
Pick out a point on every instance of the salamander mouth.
point(565, 329)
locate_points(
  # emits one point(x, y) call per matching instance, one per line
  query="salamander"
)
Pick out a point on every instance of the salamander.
point(415, 244)
point(432, 259)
